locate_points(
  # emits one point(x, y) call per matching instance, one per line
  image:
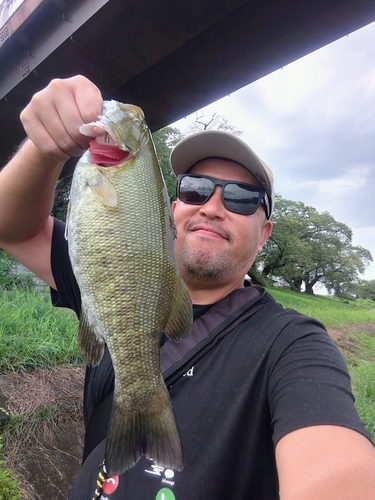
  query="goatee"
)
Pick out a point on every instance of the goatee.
point(205, 267)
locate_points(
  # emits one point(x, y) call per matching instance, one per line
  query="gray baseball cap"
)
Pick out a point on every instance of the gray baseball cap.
point(215, 143)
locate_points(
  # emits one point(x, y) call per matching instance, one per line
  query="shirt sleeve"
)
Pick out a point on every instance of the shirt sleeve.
point(67, 293)
point(309, 383)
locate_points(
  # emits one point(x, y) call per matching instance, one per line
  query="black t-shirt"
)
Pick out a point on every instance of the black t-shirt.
point(262, 381)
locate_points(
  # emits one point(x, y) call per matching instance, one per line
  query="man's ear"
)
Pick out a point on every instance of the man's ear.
point(266, 232)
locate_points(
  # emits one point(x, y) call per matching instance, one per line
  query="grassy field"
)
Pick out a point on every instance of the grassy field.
point(331, 311)
point(33, 334)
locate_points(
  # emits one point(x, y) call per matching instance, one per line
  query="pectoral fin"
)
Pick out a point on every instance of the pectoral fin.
point(103, 189)
point(181, 318)
point(90, 345)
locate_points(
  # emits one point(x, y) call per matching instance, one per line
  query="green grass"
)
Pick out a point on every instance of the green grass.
point(331, 311)
point(362, 372)
point(33, 333)
point(363, 380)
point(8, 485)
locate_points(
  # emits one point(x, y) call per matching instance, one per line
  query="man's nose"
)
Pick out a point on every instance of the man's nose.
point(214, 206)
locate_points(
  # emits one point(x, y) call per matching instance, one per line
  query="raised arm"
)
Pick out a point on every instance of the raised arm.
point(326, 462)
point(27, 183)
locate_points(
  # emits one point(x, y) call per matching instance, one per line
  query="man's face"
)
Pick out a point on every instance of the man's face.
point(213, 244)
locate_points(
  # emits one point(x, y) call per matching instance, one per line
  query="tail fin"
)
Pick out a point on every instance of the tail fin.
point(134, 434)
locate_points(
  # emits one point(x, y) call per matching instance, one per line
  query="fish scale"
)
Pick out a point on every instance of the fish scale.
point(120, 234)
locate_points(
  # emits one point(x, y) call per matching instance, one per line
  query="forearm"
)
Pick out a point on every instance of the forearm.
point(348, 483)
point(326, 462)
point(27, 186)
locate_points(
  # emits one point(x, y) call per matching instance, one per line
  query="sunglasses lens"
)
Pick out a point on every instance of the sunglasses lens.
point(195, 190)
point(241, 199)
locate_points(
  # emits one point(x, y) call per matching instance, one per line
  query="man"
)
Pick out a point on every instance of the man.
point(267, 412)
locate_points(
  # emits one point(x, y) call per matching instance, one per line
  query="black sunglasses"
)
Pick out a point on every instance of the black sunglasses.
point(238, 197)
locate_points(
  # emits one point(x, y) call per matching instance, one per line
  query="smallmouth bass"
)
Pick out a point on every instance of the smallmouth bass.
point(120, 233)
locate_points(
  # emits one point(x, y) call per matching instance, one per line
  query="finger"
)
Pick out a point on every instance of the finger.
point(85, 104)
point(77, 101)
point(88, 98)
point(45, 130)
point(54, 115)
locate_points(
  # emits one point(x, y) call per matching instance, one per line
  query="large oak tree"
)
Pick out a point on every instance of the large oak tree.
point(308, 247)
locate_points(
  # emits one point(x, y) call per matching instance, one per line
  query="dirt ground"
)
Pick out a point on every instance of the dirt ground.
point(342, 336)
point(45, 449)
point(46, 457)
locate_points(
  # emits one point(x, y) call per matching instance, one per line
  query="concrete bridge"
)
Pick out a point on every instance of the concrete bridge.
point(168, 57)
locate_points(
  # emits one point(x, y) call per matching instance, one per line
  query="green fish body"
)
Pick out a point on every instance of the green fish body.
point(120, 233)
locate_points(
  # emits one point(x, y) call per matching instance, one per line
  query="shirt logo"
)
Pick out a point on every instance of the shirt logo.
point(165, 494)
point(166, 475)
point(189, 373)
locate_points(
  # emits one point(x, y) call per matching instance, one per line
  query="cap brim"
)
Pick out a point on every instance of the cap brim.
point(215, 143)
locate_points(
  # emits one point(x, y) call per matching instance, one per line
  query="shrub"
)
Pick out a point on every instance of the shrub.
point(13, 275)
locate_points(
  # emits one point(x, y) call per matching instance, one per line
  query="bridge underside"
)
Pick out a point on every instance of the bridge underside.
point(168, 57)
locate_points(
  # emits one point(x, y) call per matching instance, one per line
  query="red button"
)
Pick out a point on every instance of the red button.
point(110, 485)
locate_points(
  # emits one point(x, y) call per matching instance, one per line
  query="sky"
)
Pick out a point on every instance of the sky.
point(313, 123)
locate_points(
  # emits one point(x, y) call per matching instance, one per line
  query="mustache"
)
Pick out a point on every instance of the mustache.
point(208, 224)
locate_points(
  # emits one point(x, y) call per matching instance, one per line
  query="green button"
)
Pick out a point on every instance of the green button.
point(165, 494)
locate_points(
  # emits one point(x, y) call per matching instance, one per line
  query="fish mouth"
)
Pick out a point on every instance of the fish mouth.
point(107, 155)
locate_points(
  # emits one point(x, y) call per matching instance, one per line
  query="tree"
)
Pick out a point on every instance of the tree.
point(365, 289)
point(344, 279)
point(216, 122)
point(164, 140)
point(61, 200)
point(307, 247)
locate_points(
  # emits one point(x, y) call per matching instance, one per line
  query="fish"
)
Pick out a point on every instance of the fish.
point(120, 233)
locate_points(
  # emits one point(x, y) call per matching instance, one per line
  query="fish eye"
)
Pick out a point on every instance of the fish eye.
point(137, 122)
